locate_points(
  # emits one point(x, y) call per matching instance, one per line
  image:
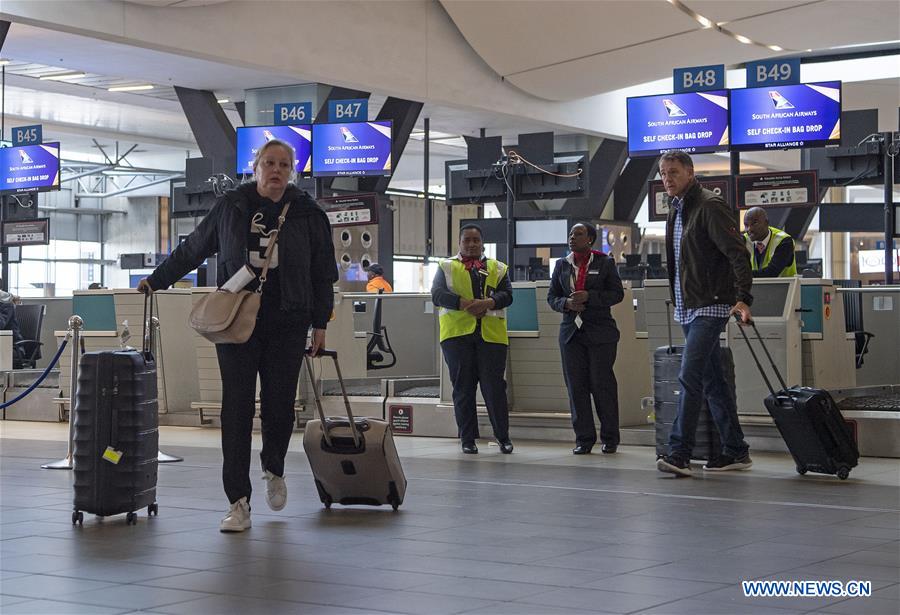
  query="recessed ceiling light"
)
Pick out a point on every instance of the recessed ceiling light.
point(130, 88)
point(743, 39)
point(222, 101)
point(62, 76)
point(775, 48)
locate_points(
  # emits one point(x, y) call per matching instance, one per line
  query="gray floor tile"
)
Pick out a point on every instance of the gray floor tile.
point(590, 599)
point(667, 588)
point(212, 582)
point(864, 606)
point(234, 605)
point(485, 589)
point(41, 586)
point(136, 597)
point(51, 607)
point(417, 602)
point(706, 607)
point(519, 608)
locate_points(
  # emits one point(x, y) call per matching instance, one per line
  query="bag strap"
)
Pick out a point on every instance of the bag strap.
point(271, 247)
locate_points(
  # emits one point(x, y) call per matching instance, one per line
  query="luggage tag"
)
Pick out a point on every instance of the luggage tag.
point(112, 455)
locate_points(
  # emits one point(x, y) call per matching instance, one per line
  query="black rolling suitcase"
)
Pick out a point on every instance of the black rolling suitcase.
point(116, 437)
point(816, 434)
point(666, 392)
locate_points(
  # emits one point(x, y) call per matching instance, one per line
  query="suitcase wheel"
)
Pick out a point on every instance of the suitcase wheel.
point(78, 518)
point(327, 501)
point(843, 472)
point(801, 470)
point(395, 504)
point(131, 518)
point(153, 509)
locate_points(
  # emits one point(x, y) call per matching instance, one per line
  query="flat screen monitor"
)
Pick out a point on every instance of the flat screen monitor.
point(542, 232)
point(29, 168)
point(769, 299)
point(786, 116)
point(695, 122)
point(251, 138)
point(357, 148)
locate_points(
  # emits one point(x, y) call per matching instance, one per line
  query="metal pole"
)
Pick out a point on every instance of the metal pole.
point(888, 209)
point(429, 219)
point(75, 325)
point(161, 457)
point(735, 171)
point(511, 222)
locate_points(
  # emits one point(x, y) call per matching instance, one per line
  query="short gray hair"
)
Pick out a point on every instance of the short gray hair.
point(676, 155)
point(277, 142)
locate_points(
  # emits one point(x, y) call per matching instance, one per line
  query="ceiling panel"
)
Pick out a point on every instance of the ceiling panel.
point(730, 10)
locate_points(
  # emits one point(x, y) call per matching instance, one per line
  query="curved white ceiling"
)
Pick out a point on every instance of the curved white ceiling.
point(176, 3)
point(568, 49)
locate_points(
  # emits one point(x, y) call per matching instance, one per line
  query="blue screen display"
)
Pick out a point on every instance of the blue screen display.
point(786, 116)
point(251, 138)
point(694, 122)
point(29, 168)
point(358, 148)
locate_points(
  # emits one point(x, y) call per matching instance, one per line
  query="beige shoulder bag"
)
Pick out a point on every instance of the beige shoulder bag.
point(224, 317)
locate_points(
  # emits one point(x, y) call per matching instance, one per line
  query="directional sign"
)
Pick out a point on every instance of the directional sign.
point(27, 135)
point(773, 72)
point(699, 78)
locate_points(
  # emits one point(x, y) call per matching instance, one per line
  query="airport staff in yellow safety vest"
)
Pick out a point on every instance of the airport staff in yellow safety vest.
point(771, 249)
point(472, 293)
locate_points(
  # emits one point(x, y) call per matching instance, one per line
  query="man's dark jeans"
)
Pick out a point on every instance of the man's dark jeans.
point(701, 376)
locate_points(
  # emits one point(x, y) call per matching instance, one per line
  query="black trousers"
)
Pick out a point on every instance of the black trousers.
point(275, 352)
point(470, 361)
point(588, 371)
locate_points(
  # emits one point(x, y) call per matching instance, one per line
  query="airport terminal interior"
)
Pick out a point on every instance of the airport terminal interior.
point(124, 122)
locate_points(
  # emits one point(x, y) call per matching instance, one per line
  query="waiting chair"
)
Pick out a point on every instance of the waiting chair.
point(379, 344)
point(28, 349)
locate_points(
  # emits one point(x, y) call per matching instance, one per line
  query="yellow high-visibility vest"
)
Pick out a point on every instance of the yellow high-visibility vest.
point(777, 236)
point(456, 323)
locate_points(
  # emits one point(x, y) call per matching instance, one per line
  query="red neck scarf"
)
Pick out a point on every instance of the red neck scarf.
point(471, 263)
point(581, 262)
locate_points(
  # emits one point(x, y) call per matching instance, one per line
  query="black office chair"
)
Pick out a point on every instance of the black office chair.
point(853, 319)
point(28, 350)
point(379, 344)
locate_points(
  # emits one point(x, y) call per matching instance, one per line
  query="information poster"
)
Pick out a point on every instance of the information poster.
point(359, 148)
point(789, 116)
point(659, 200)
point(26, 232)
point(695, 122)
point(351, 210)
point(29, 168)
point(787, 189)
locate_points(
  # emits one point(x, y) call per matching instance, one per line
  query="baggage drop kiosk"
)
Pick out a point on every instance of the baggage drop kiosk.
point(776, 311)
point(829, 352)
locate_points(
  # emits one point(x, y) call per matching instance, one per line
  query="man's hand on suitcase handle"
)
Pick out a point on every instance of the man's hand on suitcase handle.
point(144, 287)
point(741, 313)
point(317, 344)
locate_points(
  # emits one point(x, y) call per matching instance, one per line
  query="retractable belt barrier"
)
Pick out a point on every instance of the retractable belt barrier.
point(40, 379)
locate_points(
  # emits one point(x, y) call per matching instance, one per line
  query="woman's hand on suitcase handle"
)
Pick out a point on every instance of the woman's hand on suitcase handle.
point(741, 313)
point(317, 342)
point(144, 287)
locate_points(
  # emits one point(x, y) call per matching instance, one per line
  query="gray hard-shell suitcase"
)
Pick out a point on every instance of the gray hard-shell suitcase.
point(353, 460)
point(116, 432)
point(667, 390)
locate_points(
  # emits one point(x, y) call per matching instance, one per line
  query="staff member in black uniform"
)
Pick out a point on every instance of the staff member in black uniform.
point(584, 286)
point(472, 292)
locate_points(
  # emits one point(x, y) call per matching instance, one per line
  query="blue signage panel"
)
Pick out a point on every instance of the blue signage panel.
point(699, 78)
point(790, 116)
point(29, 168)
point(27, 135)
point(293, 113)
point(351, 110)
point(694, 122)
point(360, 148)
point(773, 72)
point(251, 138)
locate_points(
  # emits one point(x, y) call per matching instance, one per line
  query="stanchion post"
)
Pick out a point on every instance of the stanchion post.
point(161, 457)
point(75, 325)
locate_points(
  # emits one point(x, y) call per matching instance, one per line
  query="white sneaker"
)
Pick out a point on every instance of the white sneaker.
point(238, 517)
point(276, 491)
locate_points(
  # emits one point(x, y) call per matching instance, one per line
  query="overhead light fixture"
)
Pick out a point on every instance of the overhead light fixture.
point(775, 48)
point(61, 76)
point(222, 101)
point(703, 21)
point(742, 39)
point(130, 88)
point(4, 62)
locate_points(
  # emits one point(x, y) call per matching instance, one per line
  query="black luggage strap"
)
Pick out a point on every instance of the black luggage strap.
point(784, 387)
point(147, 331)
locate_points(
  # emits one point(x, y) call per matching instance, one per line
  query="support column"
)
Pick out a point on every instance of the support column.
point(605, 166)
point(213, 131)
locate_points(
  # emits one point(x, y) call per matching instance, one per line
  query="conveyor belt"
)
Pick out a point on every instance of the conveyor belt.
point(871, 402)
point(425, 392)
point(361, 390)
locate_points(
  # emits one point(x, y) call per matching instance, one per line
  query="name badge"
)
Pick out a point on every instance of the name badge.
point(593, 272)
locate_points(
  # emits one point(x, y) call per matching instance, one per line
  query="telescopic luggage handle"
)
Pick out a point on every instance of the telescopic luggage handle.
point(322, 352)
point(784, 387)
point(147, 331)
point(671, 348)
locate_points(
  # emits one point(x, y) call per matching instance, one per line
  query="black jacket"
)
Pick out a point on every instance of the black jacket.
point(604, 289)
point(307, 268)
point(782, 258)
point(715, 264)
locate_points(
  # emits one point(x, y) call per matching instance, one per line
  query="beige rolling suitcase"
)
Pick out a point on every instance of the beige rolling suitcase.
point(353, 460)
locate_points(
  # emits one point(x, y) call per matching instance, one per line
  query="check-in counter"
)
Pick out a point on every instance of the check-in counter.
point(880, 306)
point(828, 350)
point(56, 318)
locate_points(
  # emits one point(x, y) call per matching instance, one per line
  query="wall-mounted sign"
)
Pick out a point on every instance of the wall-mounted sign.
point(354, 148)
point(26, 232)
point(872, 261)
point(699, 78)
point(659, 200)
point(766, 73)
point(27, 135)
point(351, 210)
point(787, 189)
point(400, 418)
point(694, 122)
point(351, 110)
point(293, 113)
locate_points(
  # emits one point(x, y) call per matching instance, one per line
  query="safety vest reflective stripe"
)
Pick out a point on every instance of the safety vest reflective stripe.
point(456, 323)
point(777, 236)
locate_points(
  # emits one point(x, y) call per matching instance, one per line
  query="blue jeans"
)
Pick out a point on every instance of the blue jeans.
point(701, 376)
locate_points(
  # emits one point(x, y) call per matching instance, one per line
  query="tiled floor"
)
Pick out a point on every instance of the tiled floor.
point(537, 532)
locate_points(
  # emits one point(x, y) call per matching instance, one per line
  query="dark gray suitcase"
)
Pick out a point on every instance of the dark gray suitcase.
point(116, 432)
point(666, 392)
